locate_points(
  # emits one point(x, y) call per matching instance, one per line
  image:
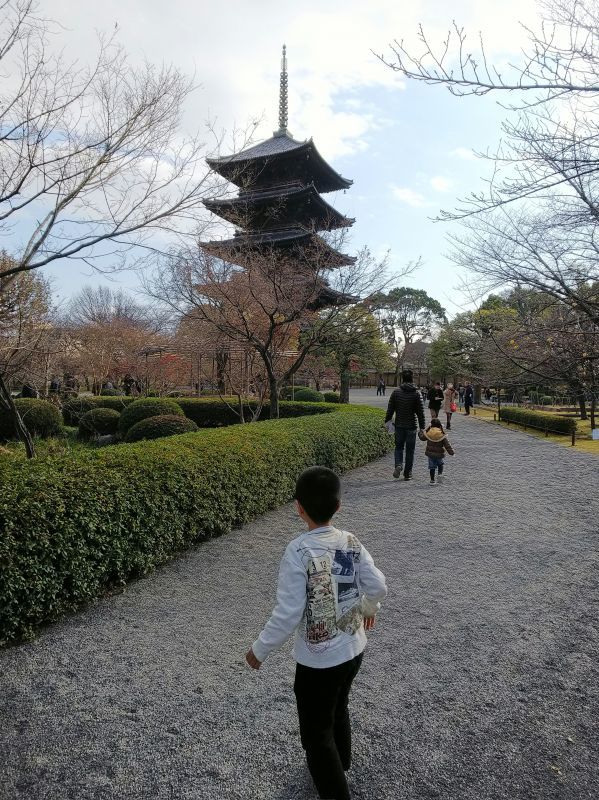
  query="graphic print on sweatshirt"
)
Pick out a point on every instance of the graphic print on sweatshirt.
point(333, 601)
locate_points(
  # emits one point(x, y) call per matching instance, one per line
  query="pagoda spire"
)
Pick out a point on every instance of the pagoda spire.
point(283, 98)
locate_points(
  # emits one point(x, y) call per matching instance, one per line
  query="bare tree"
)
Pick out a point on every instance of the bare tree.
point(283, 308)
point(92, 161)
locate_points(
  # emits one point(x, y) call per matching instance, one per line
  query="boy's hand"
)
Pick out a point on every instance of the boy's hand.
point(252, 660)
point(369, 623)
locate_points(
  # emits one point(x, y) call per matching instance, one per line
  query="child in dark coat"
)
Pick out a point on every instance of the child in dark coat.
point(437, 444)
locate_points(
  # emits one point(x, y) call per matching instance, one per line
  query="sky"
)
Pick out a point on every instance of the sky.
point(407, 147)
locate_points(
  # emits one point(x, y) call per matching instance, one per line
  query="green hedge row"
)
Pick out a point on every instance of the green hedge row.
point(74, 409)
point(538, 419)
point(74, 527)
point(40, 417)
point(211, 413)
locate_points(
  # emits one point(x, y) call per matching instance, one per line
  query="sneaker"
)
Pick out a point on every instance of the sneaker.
point(407, 476)
point(397, 471)
point(432, 482)
point(440, 478)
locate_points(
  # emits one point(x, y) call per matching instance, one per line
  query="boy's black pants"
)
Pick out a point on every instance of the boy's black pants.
point(322, 697)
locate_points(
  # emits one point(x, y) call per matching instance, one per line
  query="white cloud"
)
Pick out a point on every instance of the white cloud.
point(441, 184)
point(463, 152)
point(409, 196)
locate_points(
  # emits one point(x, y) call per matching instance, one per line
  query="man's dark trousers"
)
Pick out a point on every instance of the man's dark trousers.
point(322, 697)
point(405, 437)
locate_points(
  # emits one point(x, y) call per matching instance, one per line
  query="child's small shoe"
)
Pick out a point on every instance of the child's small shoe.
point(432, 482)
point(440, 479)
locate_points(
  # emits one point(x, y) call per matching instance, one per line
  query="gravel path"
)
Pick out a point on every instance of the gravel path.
point(481, 679)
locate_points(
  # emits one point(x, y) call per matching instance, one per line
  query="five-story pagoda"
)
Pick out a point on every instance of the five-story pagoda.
point(278, 211)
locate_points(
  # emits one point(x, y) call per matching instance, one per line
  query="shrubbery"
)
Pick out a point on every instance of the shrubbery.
point(331, 397)
point(40, 417)
point(110, 393)
point(157, 427)
point(99, 422)
point(287, 391)
point(541, 420)
point(309, 396)
point(147, 407)
point(78, 525)
point(214, 413)
point(76, 407)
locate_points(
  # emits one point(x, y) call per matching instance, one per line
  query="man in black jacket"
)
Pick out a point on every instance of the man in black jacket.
point(406, 403)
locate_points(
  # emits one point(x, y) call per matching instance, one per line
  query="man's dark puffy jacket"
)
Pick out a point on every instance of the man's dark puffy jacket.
point(406, 403)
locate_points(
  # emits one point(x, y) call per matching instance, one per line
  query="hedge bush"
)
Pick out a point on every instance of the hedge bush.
point(309, 396)
point(110, 393)
point(76, 526)
point(286, 391)
point(214, 413)
point(331, 397)
point(76, 407)
point(147, 407)
point(99, 422)
point(542, 420)
point(157, 427)
point(40, 417)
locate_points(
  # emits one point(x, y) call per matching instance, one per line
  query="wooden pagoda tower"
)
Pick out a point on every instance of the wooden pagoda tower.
point(279, 208)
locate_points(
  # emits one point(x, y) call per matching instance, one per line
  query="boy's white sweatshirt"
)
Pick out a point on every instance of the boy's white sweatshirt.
point(327, 583)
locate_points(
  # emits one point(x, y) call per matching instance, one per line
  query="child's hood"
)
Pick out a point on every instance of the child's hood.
point(434, 435)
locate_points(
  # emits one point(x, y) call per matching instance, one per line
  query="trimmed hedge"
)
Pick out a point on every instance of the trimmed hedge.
point(309, 396)
point(285, 393)
point(331, 397)
point(76, 526)
point(99, 422)
point(160, 426)
point(145, 408)
point(110, 393)
point(40, 417)
point(541, 420)
point(214, 413)
point(74, 409)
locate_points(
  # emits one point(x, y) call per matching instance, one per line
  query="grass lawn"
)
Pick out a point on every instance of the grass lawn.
point(583, 431)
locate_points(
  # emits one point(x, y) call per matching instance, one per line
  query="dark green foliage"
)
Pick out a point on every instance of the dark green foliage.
point(157, 427)
point(76, 526)
point(41, 418)
point(331, 397)
point(546, 400)
point(286, 391)
point(147, 407)
point(215, 413)
point(109, 393)
point(309, 396)
point(99, 422)
point(554, 423)
point(76, 407)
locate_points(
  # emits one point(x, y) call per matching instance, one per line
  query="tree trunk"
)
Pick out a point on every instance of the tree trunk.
point(21, 431)
point(397, 375)
point(273, 386)
point(593, 406)
point(345, 377)
point(222, 357)
point(582, 405)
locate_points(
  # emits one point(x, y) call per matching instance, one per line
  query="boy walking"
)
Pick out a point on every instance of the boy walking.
point(328, 593)
point(437, 444)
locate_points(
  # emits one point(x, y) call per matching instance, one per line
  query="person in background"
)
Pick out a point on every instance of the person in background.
point(468, 398)
point(449, 405)
point(461, 391)
point(406, 404)
point(435, 399)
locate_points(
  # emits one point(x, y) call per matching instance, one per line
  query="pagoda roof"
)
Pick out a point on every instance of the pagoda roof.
point(248, 166)
point(292, 239)
point(252, 207)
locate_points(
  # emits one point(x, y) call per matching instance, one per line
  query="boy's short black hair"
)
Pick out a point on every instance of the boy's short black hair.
point(407, 376)
point(318, 490)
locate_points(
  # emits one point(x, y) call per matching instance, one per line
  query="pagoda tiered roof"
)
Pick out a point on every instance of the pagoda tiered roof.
point(280, 207)
point(278, 210)
point(279, 159)
point(291, 243)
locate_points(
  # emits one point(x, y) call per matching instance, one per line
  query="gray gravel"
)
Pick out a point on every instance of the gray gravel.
point(480, 681)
